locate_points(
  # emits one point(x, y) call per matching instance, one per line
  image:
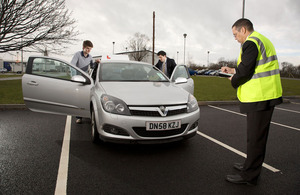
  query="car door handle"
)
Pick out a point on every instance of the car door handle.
point(32, 83)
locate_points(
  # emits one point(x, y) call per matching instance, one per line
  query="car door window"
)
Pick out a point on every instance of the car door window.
point(53, 68)
point(180, 72)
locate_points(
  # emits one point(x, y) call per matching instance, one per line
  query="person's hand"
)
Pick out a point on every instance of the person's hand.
point(228, 70)
point(97, 61)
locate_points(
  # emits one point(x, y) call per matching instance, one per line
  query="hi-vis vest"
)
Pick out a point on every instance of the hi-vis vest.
point(265, 84)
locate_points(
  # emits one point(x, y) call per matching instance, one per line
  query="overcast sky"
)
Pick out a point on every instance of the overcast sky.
point(207, 24)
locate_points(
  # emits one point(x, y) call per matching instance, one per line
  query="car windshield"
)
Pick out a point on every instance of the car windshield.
point(131, 72)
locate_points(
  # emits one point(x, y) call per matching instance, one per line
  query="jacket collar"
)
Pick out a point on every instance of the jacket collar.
point(82, 54)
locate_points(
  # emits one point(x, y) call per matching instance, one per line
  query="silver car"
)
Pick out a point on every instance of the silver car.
point(127, 101)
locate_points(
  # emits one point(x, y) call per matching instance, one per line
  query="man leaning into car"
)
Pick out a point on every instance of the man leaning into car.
point(165, 64)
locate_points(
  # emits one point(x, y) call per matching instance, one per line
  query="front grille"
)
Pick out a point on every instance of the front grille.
point(175, 112)
point(156, 113)
point(144, 113)
point(141, 131)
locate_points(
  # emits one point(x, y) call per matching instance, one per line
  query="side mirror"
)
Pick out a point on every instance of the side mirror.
point(181, 80)
point(80, 79)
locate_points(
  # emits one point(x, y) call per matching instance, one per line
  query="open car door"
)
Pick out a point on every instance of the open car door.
point(182, 78)
point(53, 86)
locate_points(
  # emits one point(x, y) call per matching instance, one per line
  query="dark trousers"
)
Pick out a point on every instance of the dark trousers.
point(258, 124)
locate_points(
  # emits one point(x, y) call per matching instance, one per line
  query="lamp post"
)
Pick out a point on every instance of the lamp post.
point(153, 38)
point(243, 14)
point(184, 36)
point(22, 57)
point(207, 58)
point(177, 56)
point(113, 48)
point(17, 57)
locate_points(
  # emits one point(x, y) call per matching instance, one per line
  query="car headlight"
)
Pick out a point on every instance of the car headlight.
point(114, 105)
point(192, 104)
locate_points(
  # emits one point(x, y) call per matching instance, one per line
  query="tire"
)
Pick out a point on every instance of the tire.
point(95, 133)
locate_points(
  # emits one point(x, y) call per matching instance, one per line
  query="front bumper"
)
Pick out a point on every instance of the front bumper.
point(147, 141)
point(132, 129)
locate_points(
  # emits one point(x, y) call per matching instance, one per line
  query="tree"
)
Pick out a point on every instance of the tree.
point(139, 45)
point(288, 70)
point(222, 62)
point(39, 24)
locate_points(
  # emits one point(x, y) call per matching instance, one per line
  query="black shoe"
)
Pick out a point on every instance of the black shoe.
point(238, 166)
point(237, 179)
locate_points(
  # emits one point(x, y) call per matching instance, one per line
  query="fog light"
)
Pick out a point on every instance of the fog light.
point(114, 130)
point(193, 126)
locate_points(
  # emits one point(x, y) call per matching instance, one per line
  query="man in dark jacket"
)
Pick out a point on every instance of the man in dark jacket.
point(165, 64)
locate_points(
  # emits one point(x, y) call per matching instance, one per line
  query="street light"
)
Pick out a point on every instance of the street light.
point(177, 56)
point(22, 56)
point(184, 36)
point(207, 58)
point(113, 47)
point(17, 57)
point(243, 14)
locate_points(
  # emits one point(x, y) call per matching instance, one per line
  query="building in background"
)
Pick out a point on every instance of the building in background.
point(13, 66)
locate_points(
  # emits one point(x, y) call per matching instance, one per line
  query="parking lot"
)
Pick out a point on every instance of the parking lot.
point(38, 157)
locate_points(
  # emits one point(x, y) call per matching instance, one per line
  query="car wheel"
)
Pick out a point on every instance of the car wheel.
point(95, 133)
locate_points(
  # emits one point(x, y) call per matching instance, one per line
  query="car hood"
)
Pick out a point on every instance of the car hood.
point(146, 93)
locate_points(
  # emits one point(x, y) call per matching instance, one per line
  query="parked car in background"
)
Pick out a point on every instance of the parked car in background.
point(3, 70)
point(207, 72)
point(200, 72)
point(127, 101)
point(214, 73)
point(192, 72)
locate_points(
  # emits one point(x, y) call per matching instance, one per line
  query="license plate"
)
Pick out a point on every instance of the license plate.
point(158, 126)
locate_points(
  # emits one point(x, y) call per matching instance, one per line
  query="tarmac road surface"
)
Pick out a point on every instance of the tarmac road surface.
point(31, 155)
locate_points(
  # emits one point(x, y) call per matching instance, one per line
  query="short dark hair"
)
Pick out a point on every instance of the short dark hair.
point(243, 22)
point(161, 53)
point(87, 43)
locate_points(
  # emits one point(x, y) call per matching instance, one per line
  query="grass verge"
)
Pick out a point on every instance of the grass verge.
point(8, 75)
point(206, 89)
point(11, 92)
point(213, 89)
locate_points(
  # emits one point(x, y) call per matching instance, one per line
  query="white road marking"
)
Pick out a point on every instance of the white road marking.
point(286, 126)
point(287, 110)
point(295, 103)
point(226, 110)
point(236, 151)
point(62, 176)
point(282, 125)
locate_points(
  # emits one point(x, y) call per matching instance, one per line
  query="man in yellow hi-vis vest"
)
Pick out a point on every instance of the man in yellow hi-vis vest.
point(258, 85)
